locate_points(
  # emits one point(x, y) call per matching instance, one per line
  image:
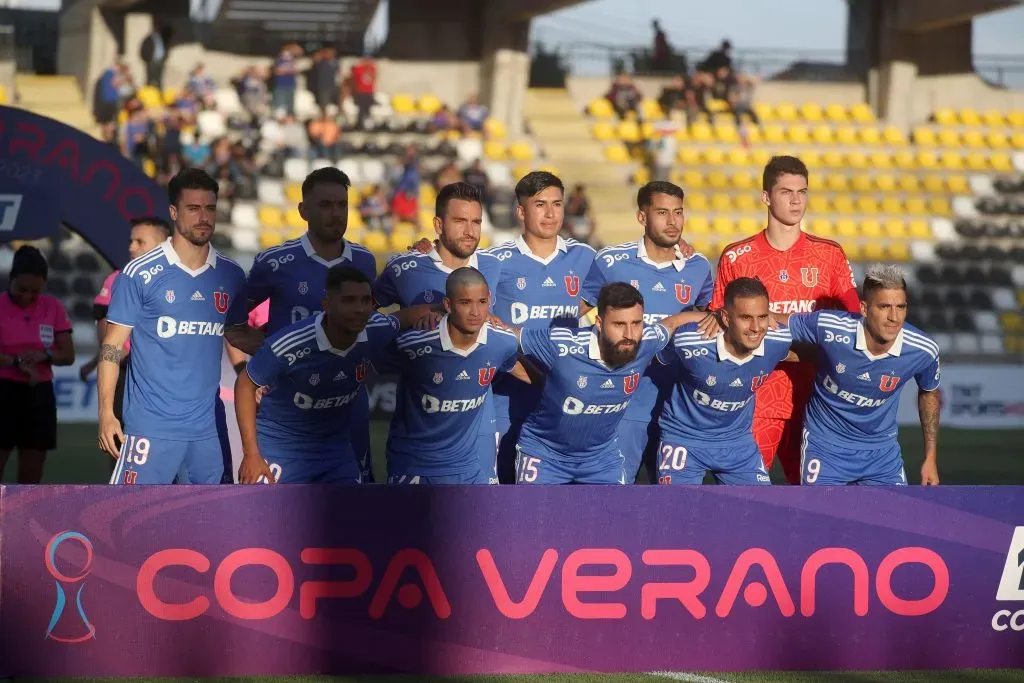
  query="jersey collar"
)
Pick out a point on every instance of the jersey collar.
point(307, 246)
point(474, 262)
point(862, 344)
point(524, 249)
point(324, 344)
point(446, 339)
point(175, 260)
point(641, 253)
point(723, 353)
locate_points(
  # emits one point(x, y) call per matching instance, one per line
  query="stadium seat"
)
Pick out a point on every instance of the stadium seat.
point(697, 225)
point(727, 134)
point(745, 180)
point(629, 132)
point(305, 105)
point(837, 182)
point(833, 159)
point(818, 204)
point(600, 108)
point(822, 227)
point(892, 205)
point(919, 229)
point(823, 135)
point(245, 216)
point(846, 227)
point(970, 117)
point(689, 156)
point(718, 180)
point(924, 137)
point(748, 225)
point(270, 191)
point(861, 182)
point(692, 180)
point(739, 157)
point(702, 132)
point(799, 135)
point(721, 203)
point(1002, 162)
point(723, 225)
point(760, 157)
point(871, 228)
point(748, 202)
point(714, 156)
point(521, 151)
point(853, 250)
point(428, 104)
point(847, 135)
point(895, 229)
point(765, 112)
point(296, 169)
point(651, 109)
point(870, 135)
point(977, 161)
point(774, 134)
point(885, 183)
point(270, 217)
point(894, 136)
point(293, 219)
point(947, 137)
point(786, 112)
point(817, 182)
point(952, 161)
point(403, 104)
point(697, 201)
point(916, 206)
point(844, 204)
point(861, 113)
point(617, 153)
point(603, 131)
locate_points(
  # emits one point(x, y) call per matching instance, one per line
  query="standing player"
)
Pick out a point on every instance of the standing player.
point(541, 277)
point(706, 424)
point(313, 371)
point(591, 375)
point(850, 431)
point(292, 275)
point(670, 283)
point(445, 379)
point(177, 302)
point(801, 273)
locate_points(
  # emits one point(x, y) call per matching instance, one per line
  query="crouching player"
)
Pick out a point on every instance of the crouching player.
point(313, 370)
point(707, 423)
point(850, 431)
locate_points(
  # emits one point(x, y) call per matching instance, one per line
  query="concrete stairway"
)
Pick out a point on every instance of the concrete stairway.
point(57, 97)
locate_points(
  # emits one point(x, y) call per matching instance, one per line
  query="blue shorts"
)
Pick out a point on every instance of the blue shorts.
point(478, 477)
point(636, 443)
point(603, 469)
point(487, 449)
point(680, 462)
point(335, 463)
point(823, 464)
point(146, 460)
point(508, 437)
point(359, 435)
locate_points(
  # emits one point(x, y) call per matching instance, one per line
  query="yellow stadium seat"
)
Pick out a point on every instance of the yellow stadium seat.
point(718, 180)
point(916, 206)
point(871, 228)
point(940, 206)
point(977, 161)
point(799, 135)
point(870, 135)
point(521, 151)
point(727, 134)
point(1012, 321)
point(752, 134)
point(836, 113)
point(846, 135)
point(874, 251)
point(702, 132)
point(170, 94)
point(823, 135)
point(745, 180)
point(975, 139)
point(403, 104)
point(603, 131)
point(861, 113)
point(704, 246)
point(270, 238)
point(844, 204)
point(723, 225)
point(294, 219)
point(812, 112)
point(377, 242)
point(952, 161)
point(880, 160)
point(946, 117)
point(811, 158)
point(898, 251)
point(697, 201)
point(149, 167)
point(909, 183)
point(817, 181)
point(925, 137)
point(748, 202)
point(958, 184)
point(862, 183)
point(150, 97)
point(970, 117)
point(846, 227)
point(429, 104)
point(642, 176)
point(934, 183)
point(822, 227)
point(892, 205)
point(485, 241)
point(765, 112)
point(747, 226)
point(293, 192)
point(760, 157)
point(426, 219)
point(714, 156)
point(495, 129)
point(927, 160)
point(885, 183)
point(895, 229)
point(495, 150)
point(1016, 118)
point(355, 222)
point(652, 110)
point(682, 135)
point(853, 250)
point(787, 112)
point(919, 229)
point(600, 108)
point(428, 195)
point(857, 159)
point(833, 159)
point(689, 156)
point(868, 205)
point(402, 238)
point(271, 217)
point(721, 202)
point(838, 182)
point(738, 157)
point(949, 137)
point(647, 131)
point(617, 154)
point(894, 136)
point(3, 94)
point(697, 225)
point(997, 139)
point(692, 180)
point(819, 203)
point(629, 132)
point(774, 134)
point(1001, 162)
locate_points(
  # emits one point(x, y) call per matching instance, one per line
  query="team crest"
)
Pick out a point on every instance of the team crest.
point(888, 383)
point(521, 283)
point(361, 370)
point(428, 296)
point(169, 295)
point(485, 376)
point(572, 285)
point(314, 379)
point(783, 276)
point(635, 284)
point(220, 301)
point(630, 382)
point(711, 380)
point(303, 287)
point(582, 382)
point(756, 382)
point(840, 368)
point(683, 293)
point(438, 378)
point(809, 276)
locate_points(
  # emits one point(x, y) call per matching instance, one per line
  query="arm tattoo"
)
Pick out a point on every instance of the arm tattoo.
point(928, 407)
point(111, 354)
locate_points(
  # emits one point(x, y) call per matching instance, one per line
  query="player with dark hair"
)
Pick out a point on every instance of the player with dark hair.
point(35, 335)
point(670, 282)
point(590, 378)
point(706, 425)
point(445, 378)
point(850, 431)
point(292, 275)
point(314, 371)
point(178, 302)
point(539, 288)
point(801, 273)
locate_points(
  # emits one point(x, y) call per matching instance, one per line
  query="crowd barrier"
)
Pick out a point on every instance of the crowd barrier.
point(247, 581)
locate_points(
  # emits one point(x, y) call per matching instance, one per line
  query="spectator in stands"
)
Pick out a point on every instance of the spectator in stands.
point(443, 120)
point(477, 177)
point(722, 57)
point(294, 139)
point(375, 211)
point(664, 148)
point(135, 135)
point(661, 54)
point(195, 152)
point(579, 223)
point(624, 96)
point(735, 89)
point(202, 86)
point(106, 96)
point(322, 78)
point(252, 91)
point(325, 135)
point(673, 96)
point(472, 115)
point(153, 53)
point(186, 106)
point(448, 174)
point(405, 198)
point(285, 75)
point(125, 83)
point(35, 335)
point(170, 147)
point(364, 88)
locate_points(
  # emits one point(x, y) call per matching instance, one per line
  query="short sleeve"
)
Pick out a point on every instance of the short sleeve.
point(511, 357)
point(384, 291)
point(238, 307)
point(265, 367)
point(655, 339)
point(803, 327)
point(537, 344)
point(126, 301)
point(61, 321)
point(257, 286)
point(707, 292)
point(929, 377)
point(385, 329)
point(595, 280)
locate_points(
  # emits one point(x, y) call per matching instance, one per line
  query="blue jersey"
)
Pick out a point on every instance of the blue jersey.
point(712, 400)
point(294, 278)
point(441, 391)
point(667, 288)
point(414, 278)
point(536, 293)
point(855, 396)
point(177, 318)
point(583, 400)
point(312, 384)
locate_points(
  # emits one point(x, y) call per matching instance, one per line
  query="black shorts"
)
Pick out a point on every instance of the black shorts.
point(28, 416)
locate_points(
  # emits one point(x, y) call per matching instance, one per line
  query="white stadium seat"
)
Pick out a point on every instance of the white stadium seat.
point(349, 109)
point(966, 342)
point(944, 230)
point(469, 150)
point(945, 342)
point(245, 216)
point(305, 105)
point(499, 174)
point(374, 171)
point(922, 252)
point(986, 321)
point(296, 169)
point(1018, 275)
point(963, 207)
point(317, 164)
point(211, 125)
point(1003, 299)
point(270, 191)
point(227, 101)
point(247, 241)
point(981, 186)
point(992, 345)
point(353, 169)
point(1018, 161)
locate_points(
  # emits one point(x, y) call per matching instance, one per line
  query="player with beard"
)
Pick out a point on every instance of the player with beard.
point(670, 282)
point(590, 378)
point(178, 302)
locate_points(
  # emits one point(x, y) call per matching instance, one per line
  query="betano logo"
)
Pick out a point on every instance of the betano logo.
point(577, 580)
point(1011, 585)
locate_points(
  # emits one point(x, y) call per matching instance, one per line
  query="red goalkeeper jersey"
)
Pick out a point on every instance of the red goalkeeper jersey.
point(813, 274)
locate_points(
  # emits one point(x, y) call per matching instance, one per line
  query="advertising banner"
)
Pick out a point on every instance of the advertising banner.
point(975, 397)
point(282, 580)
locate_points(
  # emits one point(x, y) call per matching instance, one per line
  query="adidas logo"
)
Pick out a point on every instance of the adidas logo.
point(608, 384)
point(548, 283)
point(340, 376)
point(866, 377)
point(198, 296)
point(658, 287)
point(463, 375)
point(736, 383)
